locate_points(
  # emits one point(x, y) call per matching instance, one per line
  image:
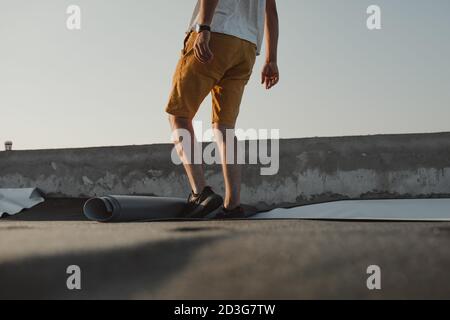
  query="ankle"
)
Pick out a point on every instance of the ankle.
point(198, 190)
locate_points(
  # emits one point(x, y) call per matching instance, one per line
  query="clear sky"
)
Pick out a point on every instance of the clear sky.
point(108, 83)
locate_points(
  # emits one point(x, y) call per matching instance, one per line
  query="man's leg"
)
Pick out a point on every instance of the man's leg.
point(202, 201)
point(227, 96)
point(193, 81)
point(227, 144)
point(186, 151)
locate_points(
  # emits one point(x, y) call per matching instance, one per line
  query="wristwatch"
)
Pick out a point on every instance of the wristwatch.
point(202, 27)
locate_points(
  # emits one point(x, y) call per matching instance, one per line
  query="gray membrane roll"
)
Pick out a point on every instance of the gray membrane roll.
point(133, 208)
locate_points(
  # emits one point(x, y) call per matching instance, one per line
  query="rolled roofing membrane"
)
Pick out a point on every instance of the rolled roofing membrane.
point(140, 208)
point(397, 210)
point(133, 208)
point(13, 201)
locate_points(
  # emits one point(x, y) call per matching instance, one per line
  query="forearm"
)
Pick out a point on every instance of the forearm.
point(272, 31)
point(207, 10)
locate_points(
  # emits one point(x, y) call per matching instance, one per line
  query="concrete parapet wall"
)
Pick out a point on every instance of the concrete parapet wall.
point(311, 170)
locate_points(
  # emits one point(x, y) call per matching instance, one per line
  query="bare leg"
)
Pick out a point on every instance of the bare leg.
point(194, 171)
point(231, 171)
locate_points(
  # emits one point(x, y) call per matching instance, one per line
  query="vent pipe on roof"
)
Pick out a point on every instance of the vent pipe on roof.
point(8, 145)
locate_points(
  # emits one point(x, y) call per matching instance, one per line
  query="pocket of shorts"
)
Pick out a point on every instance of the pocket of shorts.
point(186, 44)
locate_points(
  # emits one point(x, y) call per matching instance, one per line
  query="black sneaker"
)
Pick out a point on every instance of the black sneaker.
point(236, 213)
point(201, 205)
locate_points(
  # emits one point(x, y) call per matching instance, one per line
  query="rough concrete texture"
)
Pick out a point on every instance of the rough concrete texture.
point(311, 170)
point(219, 259)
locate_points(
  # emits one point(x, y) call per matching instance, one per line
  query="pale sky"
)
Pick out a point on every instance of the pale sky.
point(108, 83)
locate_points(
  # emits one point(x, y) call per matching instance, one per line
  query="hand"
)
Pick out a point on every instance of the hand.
point(202, 52)
point(270, 75)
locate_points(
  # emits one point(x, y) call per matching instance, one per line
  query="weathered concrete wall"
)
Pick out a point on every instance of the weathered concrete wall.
point(311, 170)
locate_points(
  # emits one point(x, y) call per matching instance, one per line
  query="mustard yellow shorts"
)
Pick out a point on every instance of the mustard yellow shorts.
point(225, 77)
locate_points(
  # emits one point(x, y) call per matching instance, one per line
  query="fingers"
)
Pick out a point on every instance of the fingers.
point(265, 77)
point(270, 76)
point(208, 53)
point(266, 82)
point(274, 81)
point(198, 53)
point(269, 81)
point(202, 52)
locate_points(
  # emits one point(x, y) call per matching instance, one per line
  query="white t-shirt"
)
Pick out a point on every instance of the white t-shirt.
point(240, 18)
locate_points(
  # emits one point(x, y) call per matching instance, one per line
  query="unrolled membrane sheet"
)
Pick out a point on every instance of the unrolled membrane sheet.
point(398, 210)
point(133, 208)
point(13, 201)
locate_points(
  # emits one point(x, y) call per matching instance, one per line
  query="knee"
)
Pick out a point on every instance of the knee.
point(179, 122)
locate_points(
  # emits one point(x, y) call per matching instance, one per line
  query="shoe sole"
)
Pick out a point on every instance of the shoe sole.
point(237, 217)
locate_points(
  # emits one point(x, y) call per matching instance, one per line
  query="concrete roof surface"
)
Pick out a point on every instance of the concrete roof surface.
point(219, 260)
